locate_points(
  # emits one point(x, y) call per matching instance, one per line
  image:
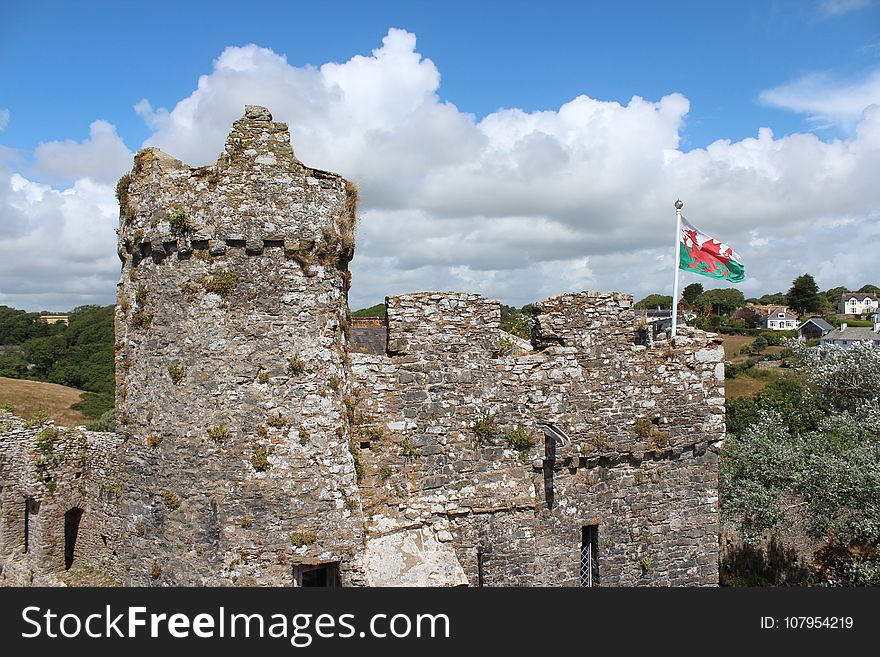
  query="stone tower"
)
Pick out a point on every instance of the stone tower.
point(231, 378)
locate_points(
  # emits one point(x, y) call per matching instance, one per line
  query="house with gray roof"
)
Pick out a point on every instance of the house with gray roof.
point(847, 336)
point(813, 328)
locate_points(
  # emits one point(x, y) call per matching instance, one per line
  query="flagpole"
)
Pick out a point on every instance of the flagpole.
point(678, 206)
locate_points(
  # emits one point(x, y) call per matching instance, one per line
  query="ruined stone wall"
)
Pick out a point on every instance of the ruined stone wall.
point(46, 472)
point(451, 438)
point(254, 441)
point(231, 318)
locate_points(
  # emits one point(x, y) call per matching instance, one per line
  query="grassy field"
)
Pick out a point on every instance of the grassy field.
point(28, 397)
point(744, 385)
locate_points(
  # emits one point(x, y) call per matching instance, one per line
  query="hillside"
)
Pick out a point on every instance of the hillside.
point(29, 397)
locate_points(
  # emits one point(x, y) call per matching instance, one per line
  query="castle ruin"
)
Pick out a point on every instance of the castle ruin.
point(256, 447)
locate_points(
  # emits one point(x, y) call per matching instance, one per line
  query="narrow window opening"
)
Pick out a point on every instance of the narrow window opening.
point(590, 555)
point(71, 529)
point(320, 575)
point(480, 581)
point(365, 444)
point(31, 507)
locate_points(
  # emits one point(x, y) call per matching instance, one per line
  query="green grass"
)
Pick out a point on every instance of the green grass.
point(373, 311)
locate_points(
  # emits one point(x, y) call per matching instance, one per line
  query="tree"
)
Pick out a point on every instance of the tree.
point(803, 297)
point(654, 301)
point(869, 288)
point(691, 292)
point(721, 301)
point(810, 454)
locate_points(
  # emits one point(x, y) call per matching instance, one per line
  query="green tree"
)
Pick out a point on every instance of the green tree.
point(803, 297)
point(654, 301)
point(721, 301)
point(869, 288)
point(515, 322)
point(691, 292)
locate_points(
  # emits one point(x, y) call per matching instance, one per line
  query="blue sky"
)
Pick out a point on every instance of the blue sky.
point(800, 68)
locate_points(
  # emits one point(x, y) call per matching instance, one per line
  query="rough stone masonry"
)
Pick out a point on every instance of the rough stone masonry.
point(256, 447)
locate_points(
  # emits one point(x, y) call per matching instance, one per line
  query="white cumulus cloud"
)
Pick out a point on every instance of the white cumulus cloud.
point(103, 157)
point(516, 205)
point(59, 246)
point(581, 194)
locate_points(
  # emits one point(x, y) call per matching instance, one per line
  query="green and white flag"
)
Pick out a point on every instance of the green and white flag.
point(705, 255)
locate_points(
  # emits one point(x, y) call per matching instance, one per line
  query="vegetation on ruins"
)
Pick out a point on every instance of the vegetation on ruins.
point(519, 438)
point(180, 222)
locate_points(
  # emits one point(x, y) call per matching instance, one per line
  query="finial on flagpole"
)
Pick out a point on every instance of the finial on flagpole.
point(679, 205)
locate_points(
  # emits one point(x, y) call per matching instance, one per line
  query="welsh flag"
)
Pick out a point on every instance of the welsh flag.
point(705, 255)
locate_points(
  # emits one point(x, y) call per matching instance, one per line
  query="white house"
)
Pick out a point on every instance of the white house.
point(779, 318)
point(857, 303)
point(846, 336)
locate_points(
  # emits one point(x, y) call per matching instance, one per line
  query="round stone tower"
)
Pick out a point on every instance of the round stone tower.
point(232, 390)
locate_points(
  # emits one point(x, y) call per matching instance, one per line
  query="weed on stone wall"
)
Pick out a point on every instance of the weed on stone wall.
point(296, 366)
point(218, 434)
point(141, 319)
point(180, 222)
point(408, 448)
point(171, 500)
point(224, 283)
point(484, 429)
point(260, 460)
point(303, 537)
point(519, 438)
point(176, 373)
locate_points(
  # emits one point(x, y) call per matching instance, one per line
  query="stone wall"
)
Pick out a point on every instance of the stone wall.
point(255, 442)
point(452, 437)
point(231, 319)
point(48, 475)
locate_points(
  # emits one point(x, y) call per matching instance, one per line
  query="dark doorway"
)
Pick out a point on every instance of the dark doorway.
point(322, 575)
point(71, 529)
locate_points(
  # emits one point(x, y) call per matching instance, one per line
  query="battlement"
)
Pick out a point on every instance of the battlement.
point(258, 445)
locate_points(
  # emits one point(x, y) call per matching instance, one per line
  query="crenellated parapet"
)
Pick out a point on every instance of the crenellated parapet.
point(495, 460)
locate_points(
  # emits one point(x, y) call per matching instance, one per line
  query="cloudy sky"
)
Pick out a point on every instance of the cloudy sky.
point(519, 150)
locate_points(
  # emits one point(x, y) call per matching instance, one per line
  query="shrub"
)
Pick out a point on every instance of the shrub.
point(46, 440)
point(304, 537)
point(278, 421)
point(36, 419)
point(408, 448)
point(384, 472)
point(485, 428)
point(155, 571)
point(219, 433)
point(176, 373)
point(260, 460)
point(303, 435)
point(519, 438)
point(154, 440)
point(296, 366)
point(140, 297)
point(223, 283)
point(171, 500)
point(180, 222)
point(141, 319)
point(263, 377)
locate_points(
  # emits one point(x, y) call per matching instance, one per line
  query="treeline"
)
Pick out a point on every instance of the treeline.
point(79, 355)
point(717, 308)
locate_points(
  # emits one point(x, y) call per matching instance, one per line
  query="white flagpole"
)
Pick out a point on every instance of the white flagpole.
point(678, 206)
